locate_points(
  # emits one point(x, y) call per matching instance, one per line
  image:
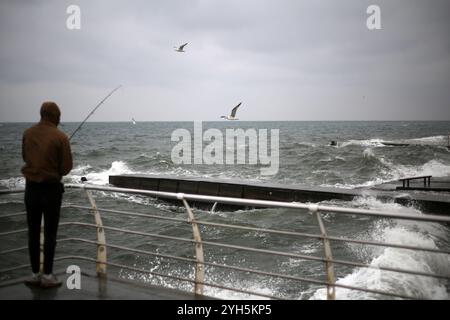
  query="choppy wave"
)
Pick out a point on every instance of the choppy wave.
point(364, 143)
point(98, 177)
point(101, 176)
point(368, 153)
point(354, 163)
point(213, 277)
point(13, 182)
point(399, 232)
point(377, 142)
point(439, 140)
point(433, 167)
point(305, 144)
point(387, 171)
point(393, 172)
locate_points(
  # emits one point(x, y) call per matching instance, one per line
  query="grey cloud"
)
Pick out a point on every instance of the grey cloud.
point(287, 60)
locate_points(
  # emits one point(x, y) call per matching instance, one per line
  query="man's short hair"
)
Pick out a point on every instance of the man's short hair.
point(50, 110)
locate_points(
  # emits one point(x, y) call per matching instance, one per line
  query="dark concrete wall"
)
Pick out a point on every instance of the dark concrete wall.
point(273, 192)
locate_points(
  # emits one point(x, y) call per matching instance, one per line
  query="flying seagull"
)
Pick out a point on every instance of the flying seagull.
point(180, 48)
point(232, 116)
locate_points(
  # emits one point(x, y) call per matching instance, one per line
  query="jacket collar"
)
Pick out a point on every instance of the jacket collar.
point(47, 123)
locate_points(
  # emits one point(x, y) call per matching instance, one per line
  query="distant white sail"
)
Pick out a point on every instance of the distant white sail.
point(134, 121)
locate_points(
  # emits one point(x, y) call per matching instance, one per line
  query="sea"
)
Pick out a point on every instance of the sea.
point(359, 160)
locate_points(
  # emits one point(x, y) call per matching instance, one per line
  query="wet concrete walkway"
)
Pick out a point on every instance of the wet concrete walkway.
point(93, 288)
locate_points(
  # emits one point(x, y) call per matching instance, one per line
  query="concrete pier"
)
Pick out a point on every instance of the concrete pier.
point(428, 202)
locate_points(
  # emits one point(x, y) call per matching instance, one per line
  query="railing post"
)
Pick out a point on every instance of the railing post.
point(101, 239)
point(331, 291)
point(199, 267)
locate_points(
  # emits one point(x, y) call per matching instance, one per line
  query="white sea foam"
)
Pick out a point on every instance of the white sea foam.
point(13, 182)
point(101, 177)
point(305, 144)
point(368, 153)
point(399, 232)
point(366, 184)
point(364, 143)
point(376, 142)
point(227, 281)
point(393, 172)
point(231, 295)
point(433, 167)
point(429, 140)
point(80, 170)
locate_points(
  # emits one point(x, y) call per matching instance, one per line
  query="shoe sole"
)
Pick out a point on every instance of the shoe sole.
point(32, 283)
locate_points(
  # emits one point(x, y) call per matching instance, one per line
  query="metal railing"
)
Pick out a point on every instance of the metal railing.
point(199, 262)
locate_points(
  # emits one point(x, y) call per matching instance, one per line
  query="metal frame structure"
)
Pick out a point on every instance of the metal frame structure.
point(199, 262)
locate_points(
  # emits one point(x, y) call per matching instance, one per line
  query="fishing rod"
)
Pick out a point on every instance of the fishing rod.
point(92, 112)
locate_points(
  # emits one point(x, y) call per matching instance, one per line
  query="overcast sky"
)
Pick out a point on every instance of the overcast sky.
point(285, 59)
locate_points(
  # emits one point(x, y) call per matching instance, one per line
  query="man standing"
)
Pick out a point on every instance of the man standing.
point(47, 156)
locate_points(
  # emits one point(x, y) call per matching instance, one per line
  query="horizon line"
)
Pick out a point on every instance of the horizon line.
point(142, 121)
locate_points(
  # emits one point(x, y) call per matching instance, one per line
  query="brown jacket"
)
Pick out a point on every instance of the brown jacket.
point(46, 152)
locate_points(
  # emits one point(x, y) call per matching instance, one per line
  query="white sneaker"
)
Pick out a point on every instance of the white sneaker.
point(50, 281)
point(33, 280)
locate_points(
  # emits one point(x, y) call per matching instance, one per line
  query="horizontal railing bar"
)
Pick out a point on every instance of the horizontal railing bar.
point(286, 254)
point(16, 214)
point(130, 249)
point(23, 213)
point(265, 203)
point(317, 236)
point(128, 231)
point(9, 191)
point(6, 233)
point(13, 250)
point(273, 231)
point(350, 263)
point(22, 266)
point(132, 214)
point(253, 202)
point(293, 255)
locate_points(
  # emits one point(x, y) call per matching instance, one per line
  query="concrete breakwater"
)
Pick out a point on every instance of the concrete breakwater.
point(428, 202)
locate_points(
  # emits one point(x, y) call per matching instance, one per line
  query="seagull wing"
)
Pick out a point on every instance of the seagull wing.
point(182, 46)
point(233, 112)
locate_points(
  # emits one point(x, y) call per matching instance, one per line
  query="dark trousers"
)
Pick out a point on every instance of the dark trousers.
point(43, 198)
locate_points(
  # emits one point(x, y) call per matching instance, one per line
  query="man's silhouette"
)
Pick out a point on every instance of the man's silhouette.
point(47, 156)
